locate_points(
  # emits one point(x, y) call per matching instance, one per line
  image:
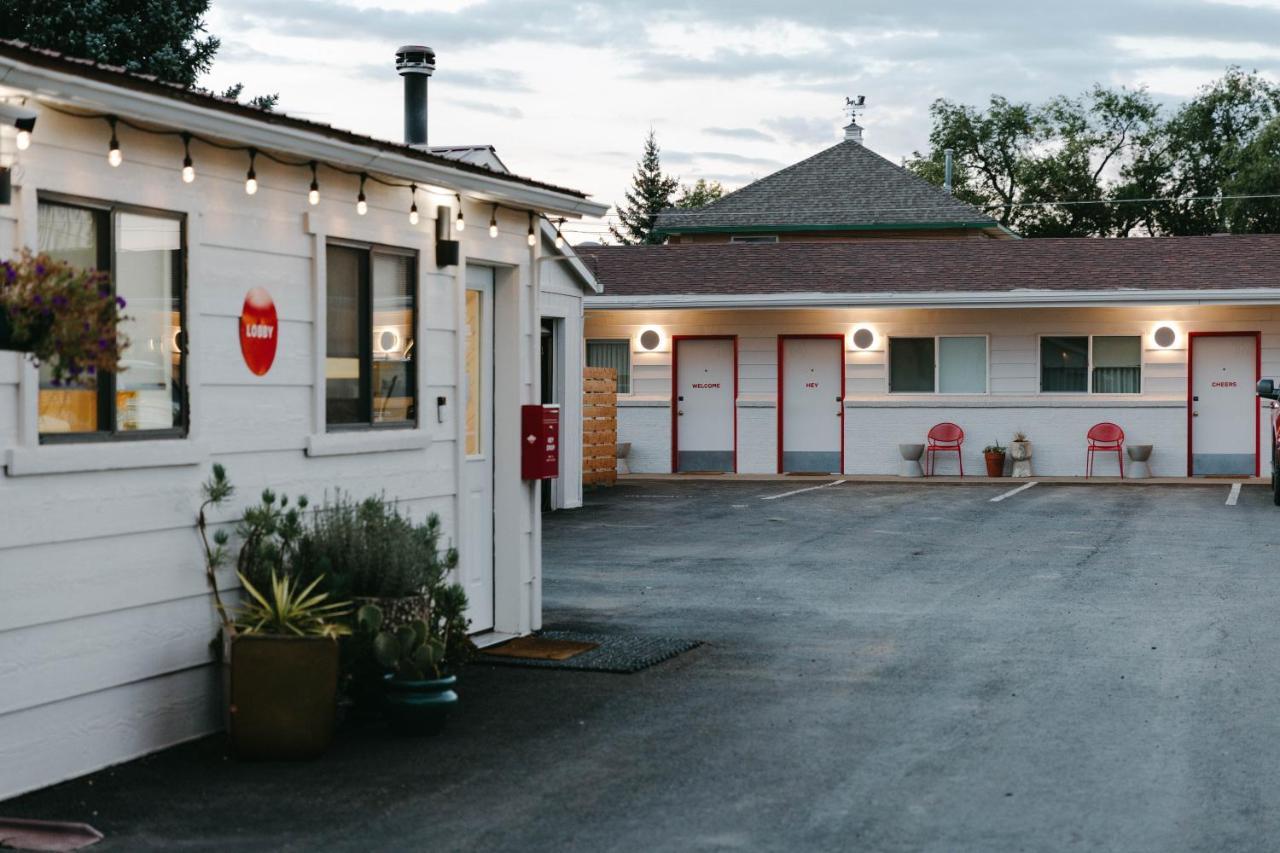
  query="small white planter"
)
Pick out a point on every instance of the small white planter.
point(1020, 453)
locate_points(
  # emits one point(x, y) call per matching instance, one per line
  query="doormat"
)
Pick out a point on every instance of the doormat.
point(538, 647)
point(622, 653)
point(809, 474)
point(21, 834)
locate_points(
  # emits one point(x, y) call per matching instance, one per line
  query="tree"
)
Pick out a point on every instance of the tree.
point(1223, 142)
point(698, 195)
point(1111, 163)
point(649, 195)
point(1012, 157)
point(163, 38)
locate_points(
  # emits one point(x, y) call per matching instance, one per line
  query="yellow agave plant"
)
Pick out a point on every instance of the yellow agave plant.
point(291, 611)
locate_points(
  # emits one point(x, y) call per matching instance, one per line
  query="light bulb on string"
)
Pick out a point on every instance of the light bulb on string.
point(493, 222)
point(532, 238)
point(313, 196)
point(362, 206)
point(459, 224)
point(24, 140)
point(251, 178)
point(413, 206)
point(188, 169)
point(559, 236)
point(114, 157)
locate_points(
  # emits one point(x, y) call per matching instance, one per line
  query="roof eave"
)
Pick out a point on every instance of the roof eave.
point(864, 226)
point(87, 93)
point(958, 299)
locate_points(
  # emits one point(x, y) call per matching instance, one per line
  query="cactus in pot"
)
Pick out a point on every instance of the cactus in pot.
point(419, 695)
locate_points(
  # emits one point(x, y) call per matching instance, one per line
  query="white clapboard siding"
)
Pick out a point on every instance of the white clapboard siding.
point(51, 743)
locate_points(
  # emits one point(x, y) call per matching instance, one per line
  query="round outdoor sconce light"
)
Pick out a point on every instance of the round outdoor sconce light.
point(863, 338)
point(1165, 336)
point(649, 339)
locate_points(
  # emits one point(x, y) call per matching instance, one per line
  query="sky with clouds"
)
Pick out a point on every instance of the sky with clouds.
point(735, 89)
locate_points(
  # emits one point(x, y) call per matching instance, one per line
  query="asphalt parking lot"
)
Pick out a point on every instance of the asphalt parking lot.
point(886, 667)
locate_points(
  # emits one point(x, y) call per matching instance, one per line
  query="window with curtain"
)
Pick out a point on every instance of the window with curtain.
point(143, 251)
point(614, 354)
point(962, 365)
point(1064, 364)
point(370, 358)
point(1117, 364)
point(911, 365)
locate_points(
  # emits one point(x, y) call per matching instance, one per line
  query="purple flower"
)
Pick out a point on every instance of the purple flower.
point(39, 269)
point(38, 299)
point(59, 301)
point(9, 273)
point(104, 292)
point(103, 343)
point(90, 369)
point(120, 301)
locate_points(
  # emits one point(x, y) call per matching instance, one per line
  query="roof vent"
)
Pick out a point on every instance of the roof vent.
point(416, 63)
point(853, 132)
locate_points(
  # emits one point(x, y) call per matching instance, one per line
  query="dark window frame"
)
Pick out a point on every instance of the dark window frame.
point(1089, 368)
point(104, 214)
point(367, 252)
point(625, 343)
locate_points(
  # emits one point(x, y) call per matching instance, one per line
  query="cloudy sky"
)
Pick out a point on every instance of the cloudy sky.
point(567, 89)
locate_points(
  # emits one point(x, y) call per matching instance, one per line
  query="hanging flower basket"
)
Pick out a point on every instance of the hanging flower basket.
point(61, 316)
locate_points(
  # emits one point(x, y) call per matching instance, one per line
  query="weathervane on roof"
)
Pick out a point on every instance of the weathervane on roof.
point(854, 106)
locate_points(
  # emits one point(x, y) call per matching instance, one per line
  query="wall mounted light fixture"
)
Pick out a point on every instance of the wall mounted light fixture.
point(863, 338)
point(1165, 337)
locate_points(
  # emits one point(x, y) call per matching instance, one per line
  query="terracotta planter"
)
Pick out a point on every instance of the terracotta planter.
point(282, 696)
point(995, 464)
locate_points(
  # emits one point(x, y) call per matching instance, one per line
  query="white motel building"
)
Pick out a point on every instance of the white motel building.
point(821, 316)
point(402, 302)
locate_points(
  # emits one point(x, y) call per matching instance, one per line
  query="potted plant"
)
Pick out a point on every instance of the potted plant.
point(61, 316)
point(994, 454)
point(420, 660)
point(1020, 453)
point(280, 648)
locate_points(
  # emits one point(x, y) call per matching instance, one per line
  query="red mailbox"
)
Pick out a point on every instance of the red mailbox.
point(540, 442)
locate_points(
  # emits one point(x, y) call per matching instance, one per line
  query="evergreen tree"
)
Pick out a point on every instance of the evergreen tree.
point(649, 195)
point(164, 38)
point(700, 194)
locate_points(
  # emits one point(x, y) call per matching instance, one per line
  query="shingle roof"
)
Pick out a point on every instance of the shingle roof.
point(934, 266)
point(55, 61)
point(847, 184)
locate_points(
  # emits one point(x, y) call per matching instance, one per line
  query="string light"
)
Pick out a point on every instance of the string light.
point(493, 222)
point(114, 157)
point(188, 170)
point(532, 239)
point(24, 140)
point(559, 236)
point(314, 195)
point(413, 207)
point(459, 224)
point(251, 179)
point(362, 206)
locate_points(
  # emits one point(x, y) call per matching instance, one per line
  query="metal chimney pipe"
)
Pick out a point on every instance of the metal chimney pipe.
point(946, 169)
point(416, 63)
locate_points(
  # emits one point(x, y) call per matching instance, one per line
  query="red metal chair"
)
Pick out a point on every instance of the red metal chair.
point(1105, 437)
point(945, 437)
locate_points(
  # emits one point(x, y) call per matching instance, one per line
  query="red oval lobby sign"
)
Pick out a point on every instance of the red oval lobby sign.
point(259, 329)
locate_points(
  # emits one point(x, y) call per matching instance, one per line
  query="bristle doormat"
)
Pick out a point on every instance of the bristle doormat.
point(539, 647)
point(623, 653)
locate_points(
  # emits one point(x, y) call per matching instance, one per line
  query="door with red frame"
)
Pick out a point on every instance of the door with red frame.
point(811, 404)
point(1223, 415)
point(705, 392)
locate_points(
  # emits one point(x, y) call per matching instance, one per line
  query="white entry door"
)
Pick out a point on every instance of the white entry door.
point(705, 388)
point(810, 380)
point(1224, 408)
point(476, 551)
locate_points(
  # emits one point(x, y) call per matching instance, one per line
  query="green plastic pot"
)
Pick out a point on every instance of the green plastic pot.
point(419, 707)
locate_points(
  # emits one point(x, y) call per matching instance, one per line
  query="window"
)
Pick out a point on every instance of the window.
point(371, 300)
point(911, 365)
point(949, 365)
point(615, 354)
point(143, 251)
point(754, 238)
point(1106, 364)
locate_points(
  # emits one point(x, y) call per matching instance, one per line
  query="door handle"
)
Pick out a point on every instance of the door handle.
point(1195, 414)
point(680, 414)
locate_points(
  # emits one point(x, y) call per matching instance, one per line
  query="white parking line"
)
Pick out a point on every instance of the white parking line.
point(1233, 495)
point(798, 491)
point(1013, 492)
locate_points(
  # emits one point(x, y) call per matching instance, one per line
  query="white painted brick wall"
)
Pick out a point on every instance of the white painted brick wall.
point(648, 428)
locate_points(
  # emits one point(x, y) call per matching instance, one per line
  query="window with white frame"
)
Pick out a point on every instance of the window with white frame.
point(947, 364)
point(615, 354)
point(1098, 364)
